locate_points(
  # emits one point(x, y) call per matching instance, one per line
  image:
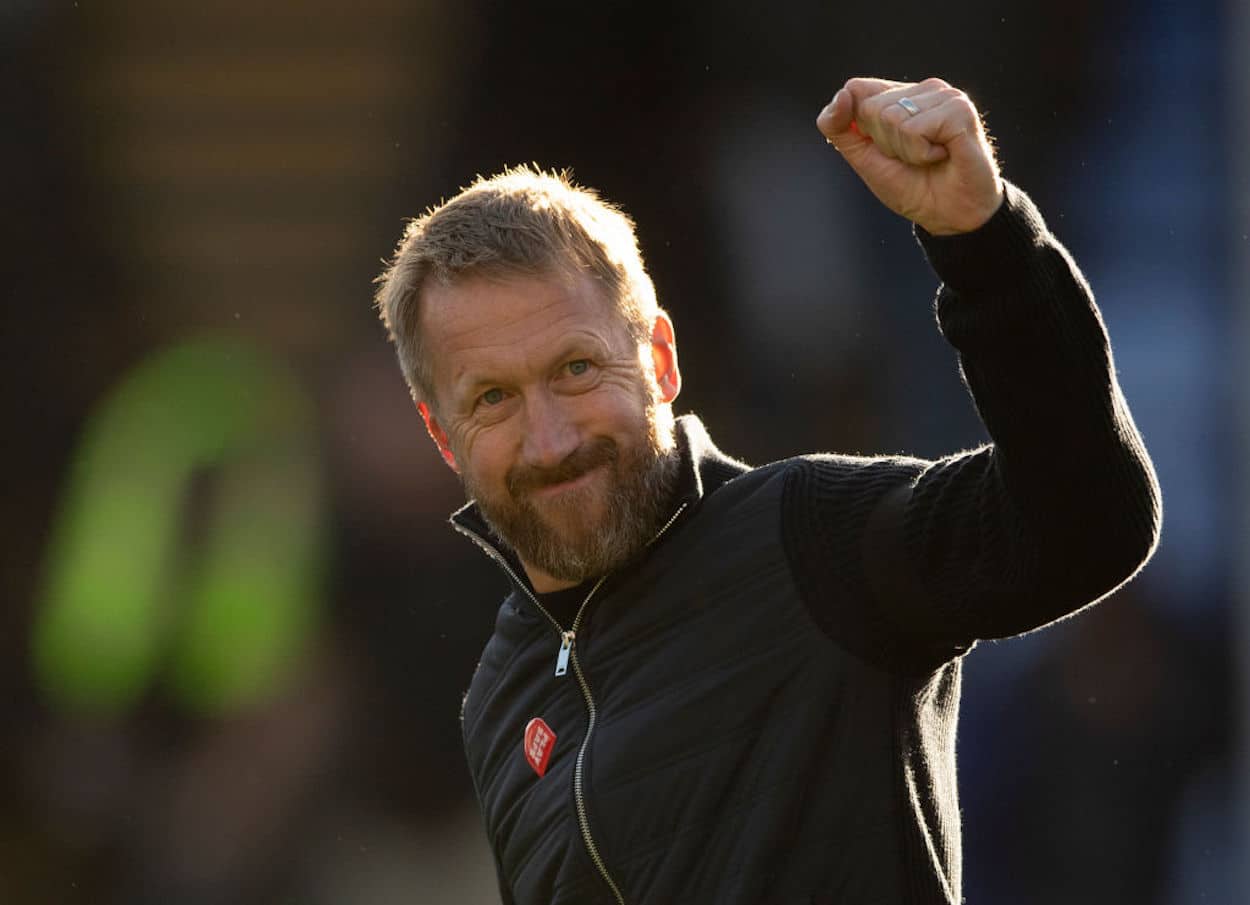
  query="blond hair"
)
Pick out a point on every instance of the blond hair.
point(521, 222)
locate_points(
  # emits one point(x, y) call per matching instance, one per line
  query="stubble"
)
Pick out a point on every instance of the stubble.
point(572, 536)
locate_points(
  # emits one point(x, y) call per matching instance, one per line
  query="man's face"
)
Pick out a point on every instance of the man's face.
point(557, 421)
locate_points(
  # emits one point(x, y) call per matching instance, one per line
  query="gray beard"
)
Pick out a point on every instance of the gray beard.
point(636, 505)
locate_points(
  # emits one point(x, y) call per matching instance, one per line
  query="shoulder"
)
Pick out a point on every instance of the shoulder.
point(827, 483)
point(823, 477)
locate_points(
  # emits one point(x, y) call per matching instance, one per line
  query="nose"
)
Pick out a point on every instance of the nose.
point(551, 433)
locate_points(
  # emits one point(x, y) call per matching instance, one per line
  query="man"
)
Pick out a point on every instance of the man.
point(720, 684)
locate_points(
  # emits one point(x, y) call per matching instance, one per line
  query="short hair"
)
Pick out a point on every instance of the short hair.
point(521, 222)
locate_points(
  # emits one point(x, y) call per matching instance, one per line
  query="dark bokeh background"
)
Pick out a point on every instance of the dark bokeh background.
point(236, 627)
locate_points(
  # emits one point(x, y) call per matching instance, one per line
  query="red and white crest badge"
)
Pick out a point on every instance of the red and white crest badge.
point(539, 740)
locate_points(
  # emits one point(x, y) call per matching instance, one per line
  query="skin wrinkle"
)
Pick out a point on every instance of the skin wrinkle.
point(572, 469)
point(569, 280)
point(581, 344)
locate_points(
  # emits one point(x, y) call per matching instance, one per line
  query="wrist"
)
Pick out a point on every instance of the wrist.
point(975, 215)
point(991, 253)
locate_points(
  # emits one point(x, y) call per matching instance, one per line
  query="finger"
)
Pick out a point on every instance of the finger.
point(838, 125)
point(912, 127)
point(947, 127)
point(914, 137)
point(835, 121)
point(859, 91)
point(872, 96)
point(959, 120)
point(901, 101)
point(882, 115)
point(863, 89)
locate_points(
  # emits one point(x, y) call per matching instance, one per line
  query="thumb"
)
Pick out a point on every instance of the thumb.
point(837, 122)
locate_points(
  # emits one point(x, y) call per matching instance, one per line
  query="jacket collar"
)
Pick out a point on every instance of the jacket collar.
point(703, 469)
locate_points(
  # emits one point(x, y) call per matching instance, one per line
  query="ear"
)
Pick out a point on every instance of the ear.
point(664, 357)
point(439, 436)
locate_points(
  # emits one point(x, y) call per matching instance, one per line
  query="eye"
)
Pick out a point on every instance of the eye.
point(493, 396)
point(578, 367)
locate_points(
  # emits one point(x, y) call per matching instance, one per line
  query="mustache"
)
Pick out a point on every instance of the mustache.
point(524, 479)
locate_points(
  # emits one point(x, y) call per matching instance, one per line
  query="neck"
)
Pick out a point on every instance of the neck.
point(543, 582)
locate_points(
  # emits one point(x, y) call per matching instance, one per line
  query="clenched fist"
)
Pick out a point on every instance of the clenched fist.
point(920, 147)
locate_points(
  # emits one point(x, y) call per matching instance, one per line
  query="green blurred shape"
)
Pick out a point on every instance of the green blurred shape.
point(127, 597)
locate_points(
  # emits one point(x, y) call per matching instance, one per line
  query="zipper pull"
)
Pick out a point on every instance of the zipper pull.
point(566, 647)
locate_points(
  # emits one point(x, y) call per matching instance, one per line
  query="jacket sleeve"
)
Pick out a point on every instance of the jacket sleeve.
point(1059, 510)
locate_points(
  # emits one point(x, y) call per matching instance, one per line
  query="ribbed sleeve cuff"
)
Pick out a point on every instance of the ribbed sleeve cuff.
point(993, 255)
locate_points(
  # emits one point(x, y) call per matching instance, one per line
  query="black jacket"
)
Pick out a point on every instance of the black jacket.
point(762, 707)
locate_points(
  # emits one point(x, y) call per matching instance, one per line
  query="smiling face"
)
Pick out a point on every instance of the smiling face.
point(557, 421)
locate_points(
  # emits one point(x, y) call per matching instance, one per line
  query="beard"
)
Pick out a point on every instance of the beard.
point(571, 538)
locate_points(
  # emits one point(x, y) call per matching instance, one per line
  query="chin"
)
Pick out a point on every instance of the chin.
point(575, 513)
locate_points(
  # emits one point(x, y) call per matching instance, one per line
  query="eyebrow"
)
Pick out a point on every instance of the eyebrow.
point(581, 347)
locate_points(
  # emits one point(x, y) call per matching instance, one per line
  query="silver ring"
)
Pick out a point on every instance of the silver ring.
point(909, 105)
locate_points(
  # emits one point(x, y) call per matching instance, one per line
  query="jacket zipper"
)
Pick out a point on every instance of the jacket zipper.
point(566, 638)
point(567, 653)
point(579, 798)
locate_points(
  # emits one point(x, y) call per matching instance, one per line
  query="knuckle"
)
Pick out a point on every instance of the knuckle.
point(964, 106)
point(935, 83)
point(910, 128)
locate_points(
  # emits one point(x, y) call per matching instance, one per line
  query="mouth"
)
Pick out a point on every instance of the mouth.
point(547, 491)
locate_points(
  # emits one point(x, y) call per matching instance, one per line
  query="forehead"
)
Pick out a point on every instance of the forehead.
point(490, 323)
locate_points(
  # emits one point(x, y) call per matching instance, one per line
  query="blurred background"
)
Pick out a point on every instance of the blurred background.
point(236, 627)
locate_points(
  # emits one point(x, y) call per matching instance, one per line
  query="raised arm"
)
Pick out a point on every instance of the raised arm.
point(1063, 506)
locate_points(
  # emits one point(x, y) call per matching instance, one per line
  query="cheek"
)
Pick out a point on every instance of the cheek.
point(484, 456)
point(463, 436)
point(627, 411)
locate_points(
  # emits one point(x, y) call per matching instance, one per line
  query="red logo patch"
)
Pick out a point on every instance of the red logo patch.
point(539, 740)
